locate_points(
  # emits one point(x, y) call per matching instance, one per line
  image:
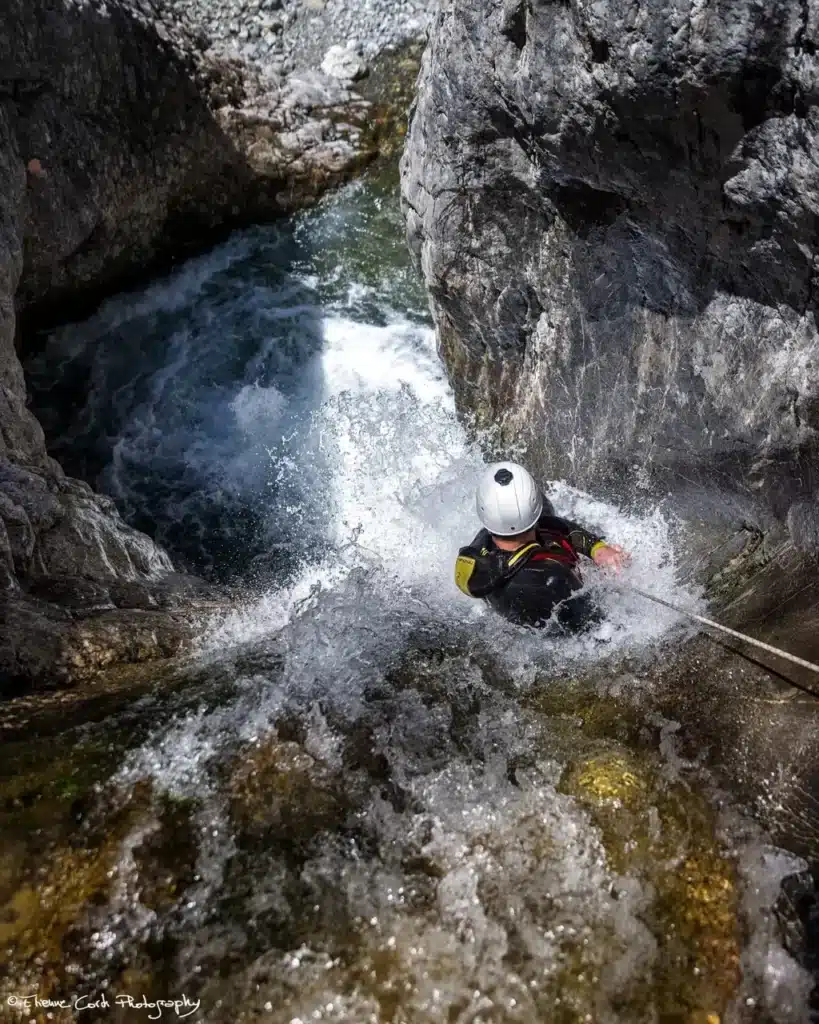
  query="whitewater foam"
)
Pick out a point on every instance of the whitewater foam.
point(312, 399)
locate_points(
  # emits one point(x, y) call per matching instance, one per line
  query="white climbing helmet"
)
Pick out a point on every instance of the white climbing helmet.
point(508, 500)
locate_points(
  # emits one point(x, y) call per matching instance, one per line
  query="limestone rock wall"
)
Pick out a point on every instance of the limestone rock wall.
point(614, 206)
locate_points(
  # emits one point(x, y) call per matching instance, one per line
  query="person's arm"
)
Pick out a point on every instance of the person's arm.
point(584, 542)
point(478, 569)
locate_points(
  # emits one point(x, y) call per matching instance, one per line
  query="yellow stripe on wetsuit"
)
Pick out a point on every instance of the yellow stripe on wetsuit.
point(464, 567)
point(520, 553)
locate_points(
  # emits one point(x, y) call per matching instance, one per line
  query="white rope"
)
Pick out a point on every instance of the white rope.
point(724, 629)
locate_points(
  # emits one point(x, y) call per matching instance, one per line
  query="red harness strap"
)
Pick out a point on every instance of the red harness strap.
point(554, 556)
point(548, 540)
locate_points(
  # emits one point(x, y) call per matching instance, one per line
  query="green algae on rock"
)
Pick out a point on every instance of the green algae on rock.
point(661, 833)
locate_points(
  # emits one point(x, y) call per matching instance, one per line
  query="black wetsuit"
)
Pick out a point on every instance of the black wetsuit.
point(528, 585)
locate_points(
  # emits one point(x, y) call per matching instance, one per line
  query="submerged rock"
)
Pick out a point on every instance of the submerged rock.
point(396, 863)
point(613, 208)
point(279, 788)
point(47, 908)
point(665, 836)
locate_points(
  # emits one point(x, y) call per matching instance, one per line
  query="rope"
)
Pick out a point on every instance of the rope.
point(769, 648)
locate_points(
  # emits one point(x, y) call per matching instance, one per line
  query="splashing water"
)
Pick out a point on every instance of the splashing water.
point(404, 809)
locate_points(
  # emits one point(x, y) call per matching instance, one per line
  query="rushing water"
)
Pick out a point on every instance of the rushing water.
point(365, 798)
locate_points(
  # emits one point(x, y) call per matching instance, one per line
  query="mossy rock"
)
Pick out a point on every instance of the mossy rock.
point(278, 787)
point(55, 772)
point(37, 922)
point(662, 834)
point(390, 87)
point(47, 919)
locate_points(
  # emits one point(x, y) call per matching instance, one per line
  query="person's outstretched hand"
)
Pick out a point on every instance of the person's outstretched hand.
point(611, 556)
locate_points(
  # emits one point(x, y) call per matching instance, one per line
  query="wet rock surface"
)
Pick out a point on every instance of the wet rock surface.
point(62, 631)
point(612, 206)
point(434, 850)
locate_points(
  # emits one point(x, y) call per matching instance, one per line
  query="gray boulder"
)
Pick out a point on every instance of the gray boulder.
point(343, 62)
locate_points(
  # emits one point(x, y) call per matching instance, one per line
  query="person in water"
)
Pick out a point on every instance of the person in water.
point(525, 561)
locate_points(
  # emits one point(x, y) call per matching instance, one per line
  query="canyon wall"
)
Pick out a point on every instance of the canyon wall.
point(614, 206)
point(126, 141)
